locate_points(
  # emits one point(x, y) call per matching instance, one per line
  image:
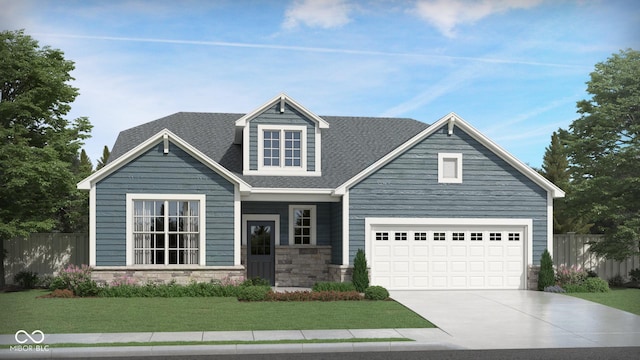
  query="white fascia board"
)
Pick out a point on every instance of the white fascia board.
point(291, 194)
point(340, 190)
point(525, 169)
point(242, 122)
point(466, 127)
point(88, 182)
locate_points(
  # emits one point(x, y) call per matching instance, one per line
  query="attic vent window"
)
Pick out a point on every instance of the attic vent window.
point(449, 168)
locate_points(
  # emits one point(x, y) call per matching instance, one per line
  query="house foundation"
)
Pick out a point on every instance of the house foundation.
point(532, 277)
point(230, 274)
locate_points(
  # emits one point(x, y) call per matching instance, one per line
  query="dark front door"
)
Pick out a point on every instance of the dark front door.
point(261, 250)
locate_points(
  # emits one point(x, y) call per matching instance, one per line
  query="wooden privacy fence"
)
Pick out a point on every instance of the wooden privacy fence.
point(44, 253)
point(47, 253)
point(573, 249)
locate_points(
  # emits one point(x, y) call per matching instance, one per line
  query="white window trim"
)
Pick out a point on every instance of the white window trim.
point(282, 169)
point(202, 198)
point(312, 210)
point(441, 158)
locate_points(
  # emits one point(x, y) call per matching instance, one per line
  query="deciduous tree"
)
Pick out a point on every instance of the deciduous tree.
point(38, 146)
point(604, 152)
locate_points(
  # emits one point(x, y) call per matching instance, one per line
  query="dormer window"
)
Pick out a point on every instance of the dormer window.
point(281, 138)
point(282, 147)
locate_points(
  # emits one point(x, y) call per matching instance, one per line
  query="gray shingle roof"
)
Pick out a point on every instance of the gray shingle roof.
point(349, 146)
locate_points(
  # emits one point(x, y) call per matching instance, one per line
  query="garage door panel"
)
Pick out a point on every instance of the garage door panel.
point(459, 282)
point(401, 250)
point(439, 266)
point(439, 282)
point(513, 266)
point(421, 251)
point(382, 250)
point(476, 251)
point(476, 282)
point(459, 266)
point(495, 281)
point(420, 282)
point(496, 251)
point(400, 266)
point(476, 266)
point(420, 267)
point(457, 250)
point(496, 266)
point(514, 251)
point(439, 250)
point(448, 257)
point(401, 281)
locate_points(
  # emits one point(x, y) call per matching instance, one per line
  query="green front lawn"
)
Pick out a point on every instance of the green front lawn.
point(623, 299)
point(22, 310)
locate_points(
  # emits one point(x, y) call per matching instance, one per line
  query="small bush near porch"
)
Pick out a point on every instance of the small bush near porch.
point(23, 310)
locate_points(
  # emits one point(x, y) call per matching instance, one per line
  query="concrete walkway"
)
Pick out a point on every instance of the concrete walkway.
point(522, 319)
point(430, 339)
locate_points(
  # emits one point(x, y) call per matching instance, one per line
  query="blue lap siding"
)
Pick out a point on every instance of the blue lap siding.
point(408, 187)
point(157, 173)
point(323, 218)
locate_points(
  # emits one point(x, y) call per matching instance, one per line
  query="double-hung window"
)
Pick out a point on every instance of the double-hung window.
point(281, 147)
point(302, 224)
point(165, 230)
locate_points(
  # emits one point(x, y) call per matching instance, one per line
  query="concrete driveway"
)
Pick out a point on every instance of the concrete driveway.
point(496, 319)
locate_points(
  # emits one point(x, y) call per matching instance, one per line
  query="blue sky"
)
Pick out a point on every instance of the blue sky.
point(514, 69)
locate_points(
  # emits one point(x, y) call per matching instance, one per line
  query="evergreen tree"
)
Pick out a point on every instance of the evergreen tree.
point(360, 272)
point(104, 159)
point(546, 276)
point(555, 167)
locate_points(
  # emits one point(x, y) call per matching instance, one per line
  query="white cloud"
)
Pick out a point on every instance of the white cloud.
point(445, 15)
point(317, 13)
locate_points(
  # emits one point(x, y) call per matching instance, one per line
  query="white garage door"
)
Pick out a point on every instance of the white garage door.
point(448, 256)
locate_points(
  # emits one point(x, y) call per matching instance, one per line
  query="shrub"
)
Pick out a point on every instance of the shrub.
point(546, 276)
point(333, 286)
point(616, 281)
point(26, 279)
point(45, 281)
point(256, 282)
point(592, 274)
point(57, 283)
point(76, 279)
point(376, 293)
point(635, 274)
point(589, 285)
point(573, 275)
point(253, 293)
point(575, 288)
point(554, 289)
point(120, 291)
point(360, 275)
point(594, 284)
point(314, 296)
